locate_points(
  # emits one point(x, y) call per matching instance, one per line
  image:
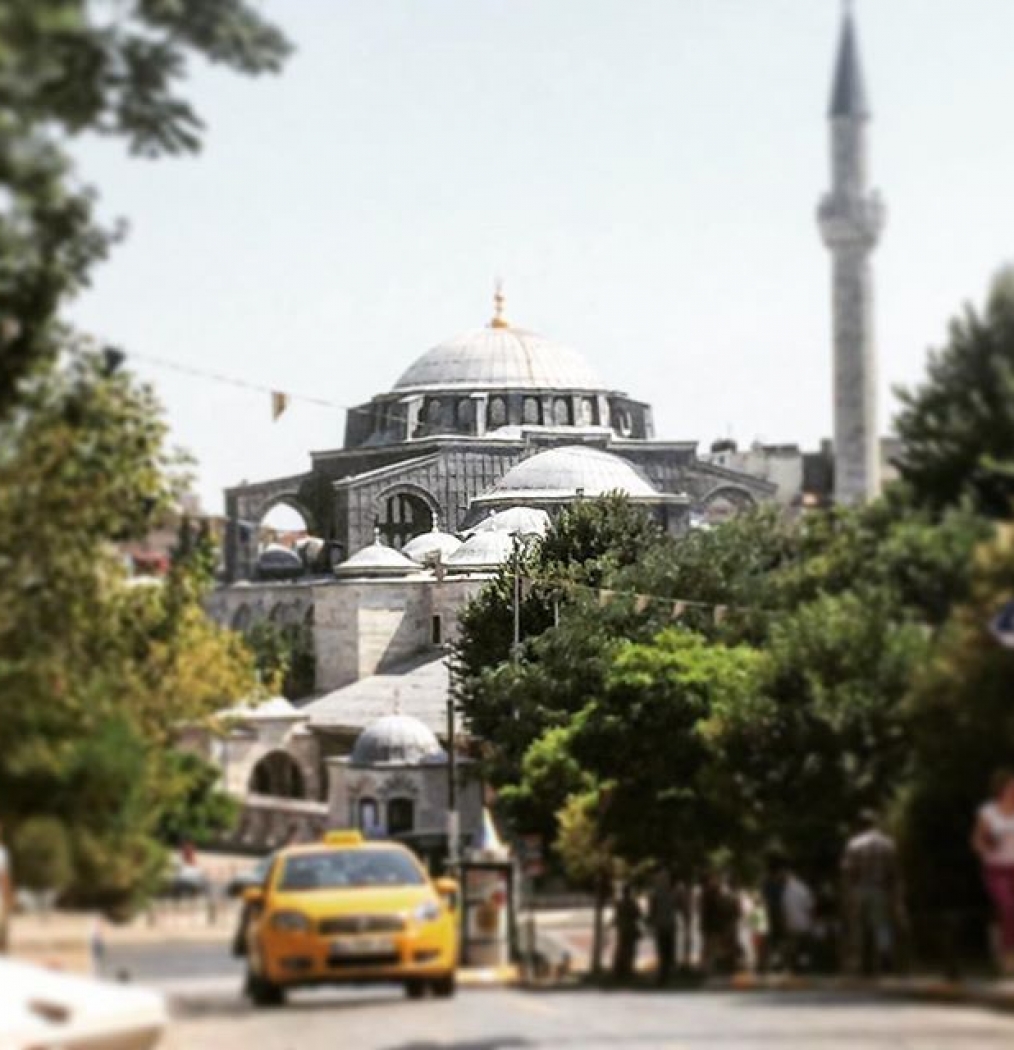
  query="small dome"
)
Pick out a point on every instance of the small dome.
point(516, 521)
point(396, 740)
point(278, 562)
point(571, 471)
point(377, 560)
point(500, 358)
point(431, 543)
point(277, 708)
point(482, 551)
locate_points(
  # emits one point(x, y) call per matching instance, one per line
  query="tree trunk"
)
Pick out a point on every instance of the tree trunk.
point(598, 935)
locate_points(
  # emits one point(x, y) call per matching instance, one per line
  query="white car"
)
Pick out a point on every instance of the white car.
point(43, 1008)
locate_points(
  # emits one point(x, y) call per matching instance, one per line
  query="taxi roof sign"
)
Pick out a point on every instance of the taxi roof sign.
point(345, 837)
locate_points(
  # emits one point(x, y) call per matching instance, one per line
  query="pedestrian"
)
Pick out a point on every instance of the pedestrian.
point(712, 922)
point(772, 889)
point(797, 916)
point(993, 840)
point(662, 915)
point(627, 922)
point(871, 884)
point(6, 895)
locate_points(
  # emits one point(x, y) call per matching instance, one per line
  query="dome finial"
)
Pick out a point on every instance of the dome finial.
point(376, 536)
point(499, 321)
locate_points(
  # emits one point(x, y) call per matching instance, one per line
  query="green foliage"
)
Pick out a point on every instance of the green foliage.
point(957, 427)
point(73, 66)
point(97, 672)
point(196, 810)
point(284, 656)
point(962, 728)
point(41, 851)
point(656, 740)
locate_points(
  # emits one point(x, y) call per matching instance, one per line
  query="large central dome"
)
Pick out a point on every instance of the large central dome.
point(500, 357)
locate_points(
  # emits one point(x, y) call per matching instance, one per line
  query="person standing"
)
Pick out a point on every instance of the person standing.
point(871, 883)
point(662, 915)
point(993, 840)
point(772, 890)
point(797, 913)
point(627, 920)
point(6, 895)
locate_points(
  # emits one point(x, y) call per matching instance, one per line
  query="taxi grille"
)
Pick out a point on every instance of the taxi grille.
point(361, 924)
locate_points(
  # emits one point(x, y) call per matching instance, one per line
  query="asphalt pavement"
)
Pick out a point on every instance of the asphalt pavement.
point(202, 983)
point(502, 1019)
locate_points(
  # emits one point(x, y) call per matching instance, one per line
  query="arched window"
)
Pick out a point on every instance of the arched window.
point(531, 411)
point(241, 618)
point(465, 413)
point(400, 816)
point(404, 515)
point(368, 817)
point(561, 412)
point(434, 412)
point(277, 774)
point(497, 412)
point(588, 411)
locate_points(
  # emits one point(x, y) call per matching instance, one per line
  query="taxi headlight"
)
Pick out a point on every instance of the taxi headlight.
point(290, 922)
point(428, 912)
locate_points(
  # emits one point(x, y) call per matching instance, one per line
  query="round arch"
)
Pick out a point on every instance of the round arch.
point(292, 501)
point(278, 775)
point(726, 501)
point(404, 511)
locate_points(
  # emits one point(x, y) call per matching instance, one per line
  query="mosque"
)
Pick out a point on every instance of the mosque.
point(495, 417)
point(477, 446)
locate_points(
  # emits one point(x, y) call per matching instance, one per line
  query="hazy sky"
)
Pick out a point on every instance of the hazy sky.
point(643, 174)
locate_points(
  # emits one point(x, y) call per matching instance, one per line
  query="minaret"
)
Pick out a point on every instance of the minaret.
point(851, 218)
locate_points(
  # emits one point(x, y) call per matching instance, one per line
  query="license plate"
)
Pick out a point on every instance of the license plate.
point(363, 946)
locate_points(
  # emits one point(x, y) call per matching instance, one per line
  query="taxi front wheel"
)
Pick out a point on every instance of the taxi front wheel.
point(444, 987)
point(415, 989)
point(263, 992)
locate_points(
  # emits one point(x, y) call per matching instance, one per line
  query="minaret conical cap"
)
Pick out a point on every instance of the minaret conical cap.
point(848, 92)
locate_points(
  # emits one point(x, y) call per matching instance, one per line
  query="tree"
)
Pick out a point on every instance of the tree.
point(42, 855)
point(957, 427)
point(96, 672)
point(284, 655)
point(73, 66)
point(961, 725)
point(655, 742)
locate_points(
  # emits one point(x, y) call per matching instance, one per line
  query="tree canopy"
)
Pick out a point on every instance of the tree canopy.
point(74, 66)
point(957, 426)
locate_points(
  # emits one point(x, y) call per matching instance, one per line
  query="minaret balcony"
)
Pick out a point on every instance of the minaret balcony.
point(847, 220)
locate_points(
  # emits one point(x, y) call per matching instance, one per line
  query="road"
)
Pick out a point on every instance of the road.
point(209, 1013)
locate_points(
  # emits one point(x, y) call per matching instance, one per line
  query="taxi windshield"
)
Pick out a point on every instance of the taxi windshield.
point(349, 868)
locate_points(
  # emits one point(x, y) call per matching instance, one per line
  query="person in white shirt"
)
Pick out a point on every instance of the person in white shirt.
point(993, 840)
point(797, 914)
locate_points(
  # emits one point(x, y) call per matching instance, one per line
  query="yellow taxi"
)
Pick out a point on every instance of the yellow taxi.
point(349, 910)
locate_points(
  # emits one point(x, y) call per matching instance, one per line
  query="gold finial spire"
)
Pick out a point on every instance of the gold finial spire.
point(499, 321)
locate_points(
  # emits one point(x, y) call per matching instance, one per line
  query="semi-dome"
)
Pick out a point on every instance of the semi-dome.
point(396, 740)
point(431, 544)
point(482, 551)
point(278, 562)
point(568, 472)
point(377, 560)
point(517, 521)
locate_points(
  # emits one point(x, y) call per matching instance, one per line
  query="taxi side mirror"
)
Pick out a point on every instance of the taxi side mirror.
point(449, 891)
point(253, 895)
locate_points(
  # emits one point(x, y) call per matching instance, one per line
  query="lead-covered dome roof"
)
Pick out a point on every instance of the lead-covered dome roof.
point(396, 740)
point(569, 471)
point(500, 358)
